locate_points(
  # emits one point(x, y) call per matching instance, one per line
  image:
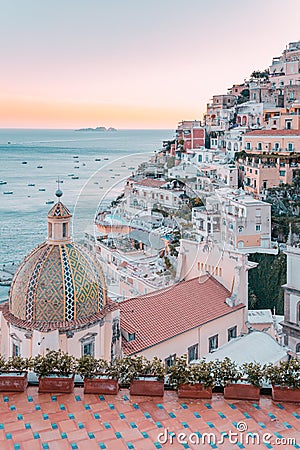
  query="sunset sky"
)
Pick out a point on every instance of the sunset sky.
point(131, 63)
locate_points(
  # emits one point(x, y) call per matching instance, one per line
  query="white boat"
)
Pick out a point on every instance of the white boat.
point(3, 182)
point(31, 184)
point(49, 202)
point(8, 192)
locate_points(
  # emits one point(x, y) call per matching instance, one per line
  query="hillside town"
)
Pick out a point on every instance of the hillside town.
point(166, 270)
point(190, 218)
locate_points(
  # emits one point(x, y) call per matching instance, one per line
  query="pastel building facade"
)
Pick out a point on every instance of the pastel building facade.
point(291, 323)
point(271, 158)
point(190, 134)
point(236, 219)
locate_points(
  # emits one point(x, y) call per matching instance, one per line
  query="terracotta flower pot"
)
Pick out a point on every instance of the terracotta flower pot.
point(57, 384)
point(242, 391)
point(285, 394)
point(194, 391)
point(13, 382)
point(100, 386)
point(147, 387)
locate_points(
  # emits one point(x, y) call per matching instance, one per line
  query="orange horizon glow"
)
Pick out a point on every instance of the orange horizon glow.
point(30, 113)
point(133, 65)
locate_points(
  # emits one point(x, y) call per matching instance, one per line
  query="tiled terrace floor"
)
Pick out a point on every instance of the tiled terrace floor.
point(30, 421)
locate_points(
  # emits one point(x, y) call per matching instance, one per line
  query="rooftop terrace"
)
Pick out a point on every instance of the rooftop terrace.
point(76, 421)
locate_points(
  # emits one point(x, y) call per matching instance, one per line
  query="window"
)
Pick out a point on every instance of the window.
point(50, 230)
point(231, 226)
point(169, 361)
point(200, 158)
point(290, 146)
point(131, 337)
point(288, 124)
point(258, 212)
point(248, 146)
point(257, 227)
point(88, 349)
point(64, 230)
point(213, 343)
point(282, 173)
point(259, 146)
point(193, 352)
point(15, 349)
point(88, 344)
point(232, 333)
point(276, 146)
point(240, 229)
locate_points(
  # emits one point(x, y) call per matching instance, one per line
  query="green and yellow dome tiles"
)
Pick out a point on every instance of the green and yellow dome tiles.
point(59, 282)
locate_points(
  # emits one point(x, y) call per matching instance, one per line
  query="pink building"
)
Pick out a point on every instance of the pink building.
point(191, 133)
point(271, 158)
point(192, 317)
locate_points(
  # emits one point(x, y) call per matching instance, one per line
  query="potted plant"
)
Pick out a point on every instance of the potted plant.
point(145, 377)
point(14, 374)
point(240, 383)
point(191, 381)
point(100, 377)
point(285, 380)
point(56, 371)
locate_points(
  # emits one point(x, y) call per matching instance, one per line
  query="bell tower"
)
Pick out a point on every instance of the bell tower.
point(59, 221)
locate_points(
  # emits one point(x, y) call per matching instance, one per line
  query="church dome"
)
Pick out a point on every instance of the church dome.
point(59, 281)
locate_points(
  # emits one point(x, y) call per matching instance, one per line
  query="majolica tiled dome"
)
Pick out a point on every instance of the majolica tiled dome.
point(59, 280)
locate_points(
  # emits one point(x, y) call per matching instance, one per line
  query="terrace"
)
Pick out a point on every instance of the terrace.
point(31, 421)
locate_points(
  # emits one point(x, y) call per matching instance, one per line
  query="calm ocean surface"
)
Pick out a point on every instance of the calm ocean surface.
point(49, 154)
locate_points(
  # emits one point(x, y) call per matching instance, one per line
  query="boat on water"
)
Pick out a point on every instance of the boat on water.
point(75, 156)
point(24, 162)
point(31, 184)
point(42, 189)
point(98, 159)
point(106, 159)
point(49, 202)
point(8, 192)
point(75, 178)
point(39, 167)
point(96, 182)
point(2, 182)
point(83, 164)
point(100, 187)
point(76, 167)
point(70, 174)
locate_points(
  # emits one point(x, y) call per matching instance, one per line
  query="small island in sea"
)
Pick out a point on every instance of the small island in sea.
point(97, 129)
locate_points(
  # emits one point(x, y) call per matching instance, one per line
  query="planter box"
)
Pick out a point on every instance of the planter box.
point(147, 387)
point(63, 385)
point(100, 386)
point(13, 382)
point(242, 391)
point(194, 391)
point(285, 394)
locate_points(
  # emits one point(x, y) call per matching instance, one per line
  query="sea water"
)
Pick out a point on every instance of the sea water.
point(31, 161)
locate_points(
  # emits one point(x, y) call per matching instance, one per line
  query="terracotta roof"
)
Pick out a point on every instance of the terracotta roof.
point(273, 133)
point(163, 314)
point(62, 326)
point(151, 182)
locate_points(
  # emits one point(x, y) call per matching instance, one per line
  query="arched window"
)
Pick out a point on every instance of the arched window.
point(298, 348)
